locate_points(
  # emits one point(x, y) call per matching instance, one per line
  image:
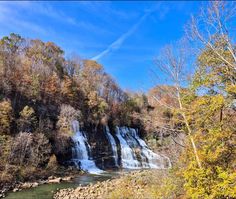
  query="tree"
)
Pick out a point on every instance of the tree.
point(30, 149)
point(28, 120)
point(46, 58)
point(215, 136)
point(68, 89)
point(67, 115)
point(73, 66)
point(5, 148)
point(10, 49)
point(51, 87)
point(171, 63)
point(211, 114)
point(41, 150)
point(211, 30)
point(159, 115)
point(21, 149)
point(5, 116)
point(91, 74)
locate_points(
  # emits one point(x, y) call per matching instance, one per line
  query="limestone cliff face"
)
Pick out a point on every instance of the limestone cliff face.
point(62, 148)
point(101, 149)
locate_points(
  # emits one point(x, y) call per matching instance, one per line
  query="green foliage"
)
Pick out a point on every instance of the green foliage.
point(11, 44)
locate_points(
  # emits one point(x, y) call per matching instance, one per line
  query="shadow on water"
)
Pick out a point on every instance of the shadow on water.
point(46, 191)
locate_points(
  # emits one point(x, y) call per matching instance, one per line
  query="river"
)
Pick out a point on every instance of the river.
point(46, 191)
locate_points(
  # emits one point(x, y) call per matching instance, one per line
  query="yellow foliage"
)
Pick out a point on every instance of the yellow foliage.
point(231, 88)
point(215, 140)
point(5, 116)
point(27, 121)
point(52, 164)
point(148, 184)
point(27, 112)
point(5, 147)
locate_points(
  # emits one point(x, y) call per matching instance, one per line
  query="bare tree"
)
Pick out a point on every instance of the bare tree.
point(171, 62)
point(67, 115)
point(211, 25)
point(21, 148)
point(30, 149)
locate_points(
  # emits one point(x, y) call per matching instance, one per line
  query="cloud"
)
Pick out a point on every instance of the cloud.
point(47, 10)
point(117, 43)
point(11, 17)
point(38, 8)
point(26, 16)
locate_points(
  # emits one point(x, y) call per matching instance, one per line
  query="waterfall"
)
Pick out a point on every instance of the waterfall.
point(128, 157)
point(153, 160)
point(133, 146)
point(113, 145)
point(134, 152)
point(80, 151)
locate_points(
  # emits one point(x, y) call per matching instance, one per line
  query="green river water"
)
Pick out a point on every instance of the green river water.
point(46, 191)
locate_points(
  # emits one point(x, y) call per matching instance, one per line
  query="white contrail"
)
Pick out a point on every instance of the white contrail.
point(116, 44)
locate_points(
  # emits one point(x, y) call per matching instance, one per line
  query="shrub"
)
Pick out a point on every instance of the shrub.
point(5, 116)
point(27, 121)
point(9, 173)
point(52, 163)
point(41, 150)
point(67, 115)
point(21, 149)
point(29, 149)
point(5, 147)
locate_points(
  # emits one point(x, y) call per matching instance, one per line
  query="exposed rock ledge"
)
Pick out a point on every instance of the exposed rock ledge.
point(50, 180)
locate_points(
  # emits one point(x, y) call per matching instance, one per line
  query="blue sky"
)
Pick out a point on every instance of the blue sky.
point(123, 36)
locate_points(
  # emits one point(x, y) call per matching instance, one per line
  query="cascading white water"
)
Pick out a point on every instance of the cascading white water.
point(130, 144)
point(80, 153)
point(153, 160)
point(128, 157)
point(135, 153)
point(113, 145)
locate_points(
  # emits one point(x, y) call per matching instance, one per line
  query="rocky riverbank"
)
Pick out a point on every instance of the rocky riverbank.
point(26, 185)
point(65, 176)
point(137, 184)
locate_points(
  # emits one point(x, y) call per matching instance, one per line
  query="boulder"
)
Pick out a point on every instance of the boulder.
point(26, 185)
point(69, 178)
point(35, 184)
point(55, 180)
point(15, 190)
point(51, 177)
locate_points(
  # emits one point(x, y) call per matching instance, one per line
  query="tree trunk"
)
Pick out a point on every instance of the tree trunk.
point(189, 131)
